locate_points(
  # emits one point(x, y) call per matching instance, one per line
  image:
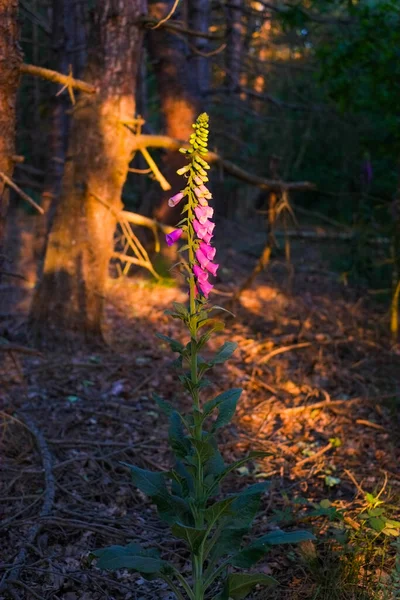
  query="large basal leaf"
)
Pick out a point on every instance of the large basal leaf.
point(193, 536)
point(129, 557)
point(150, 483)
point(239, 585)
point(224, 353)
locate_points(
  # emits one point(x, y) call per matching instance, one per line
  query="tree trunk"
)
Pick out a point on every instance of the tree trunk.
point(68, 302)
point(179, 104)
point(68, 42)
point(10, 60)
point(199, 64)
point(234, 45)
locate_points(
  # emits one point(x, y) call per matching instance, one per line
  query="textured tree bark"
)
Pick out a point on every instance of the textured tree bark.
point(179, 104)
point(199, 63)
point(68, 42)
point(68, 303)
point(10, 61)
point(234, 45)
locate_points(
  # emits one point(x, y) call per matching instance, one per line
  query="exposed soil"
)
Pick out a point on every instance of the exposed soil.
point(321, 394)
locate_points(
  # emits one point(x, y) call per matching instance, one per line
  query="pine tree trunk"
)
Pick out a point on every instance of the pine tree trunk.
point(68, 42)
point(234, 45)
point(68, 303)
point(10, 60)
point(179, 104)
point(199, 63)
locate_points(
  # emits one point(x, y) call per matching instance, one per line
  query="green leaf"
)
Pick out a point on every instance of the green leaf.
point(216, 307)
point(149, 482)
point(178, 441)
point(129, 557)
point(245, 506)
point(174, 344)
point(172, 509)
point(236, 464)
point(377, 523)
point(165, 406)
point(276, 538)
point(181, 309)
point(182, 480)
point(227, 543)
point(217, 510)
point(192, 535)
point(225, 396)
point(216, 326)
point(224, 353)
point(225, 403)
point(239, 585)
point(204, 449)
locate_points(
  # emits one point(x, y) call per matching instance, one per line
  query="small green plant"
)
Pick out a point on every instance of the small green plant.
point(188, 497)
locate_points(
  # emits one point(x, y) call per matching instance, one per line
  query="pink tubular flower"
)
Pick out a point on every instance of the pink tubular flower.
point(175, 199)
point(207, 238)
point(201, 275)
point(205, 287)
point(173, 237)
point(208, 250)
point(198, 180)
point(205, 263)
point(203, 213)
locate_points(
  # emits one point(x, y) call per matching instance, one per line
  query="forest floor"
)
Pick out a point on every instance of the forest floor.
point(321, 395)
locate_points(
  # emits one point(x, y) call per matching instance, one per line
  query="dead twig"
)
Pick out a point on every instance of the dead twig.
point(20, 192)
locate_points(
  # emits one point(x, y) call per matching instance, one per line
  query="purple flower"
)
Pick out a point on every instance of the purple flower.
point(205, 263)
point(203, 213)
point(175, 199)
point(201, 275)
point(208, 250)
point(213, 268)
point(173, 237)
point(205, 287)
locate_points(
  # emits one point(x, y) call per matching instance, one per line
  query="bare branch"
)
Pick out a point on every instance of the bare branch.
point(65, 80)
point(167, 17)
point(177, 27)
point(168, 143)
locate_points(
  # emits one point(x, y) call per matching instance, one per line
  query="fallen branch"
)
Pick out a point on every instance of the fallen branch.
point(49, 495)
point(20, 192)
point(66, 80)
point(168, 143)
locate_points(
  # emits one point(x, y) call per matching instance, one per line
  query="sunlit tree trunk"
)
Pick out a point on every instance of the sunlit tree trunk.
point(68, 43)
point(179, 102)
point(70, 296)
point(10, 60)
